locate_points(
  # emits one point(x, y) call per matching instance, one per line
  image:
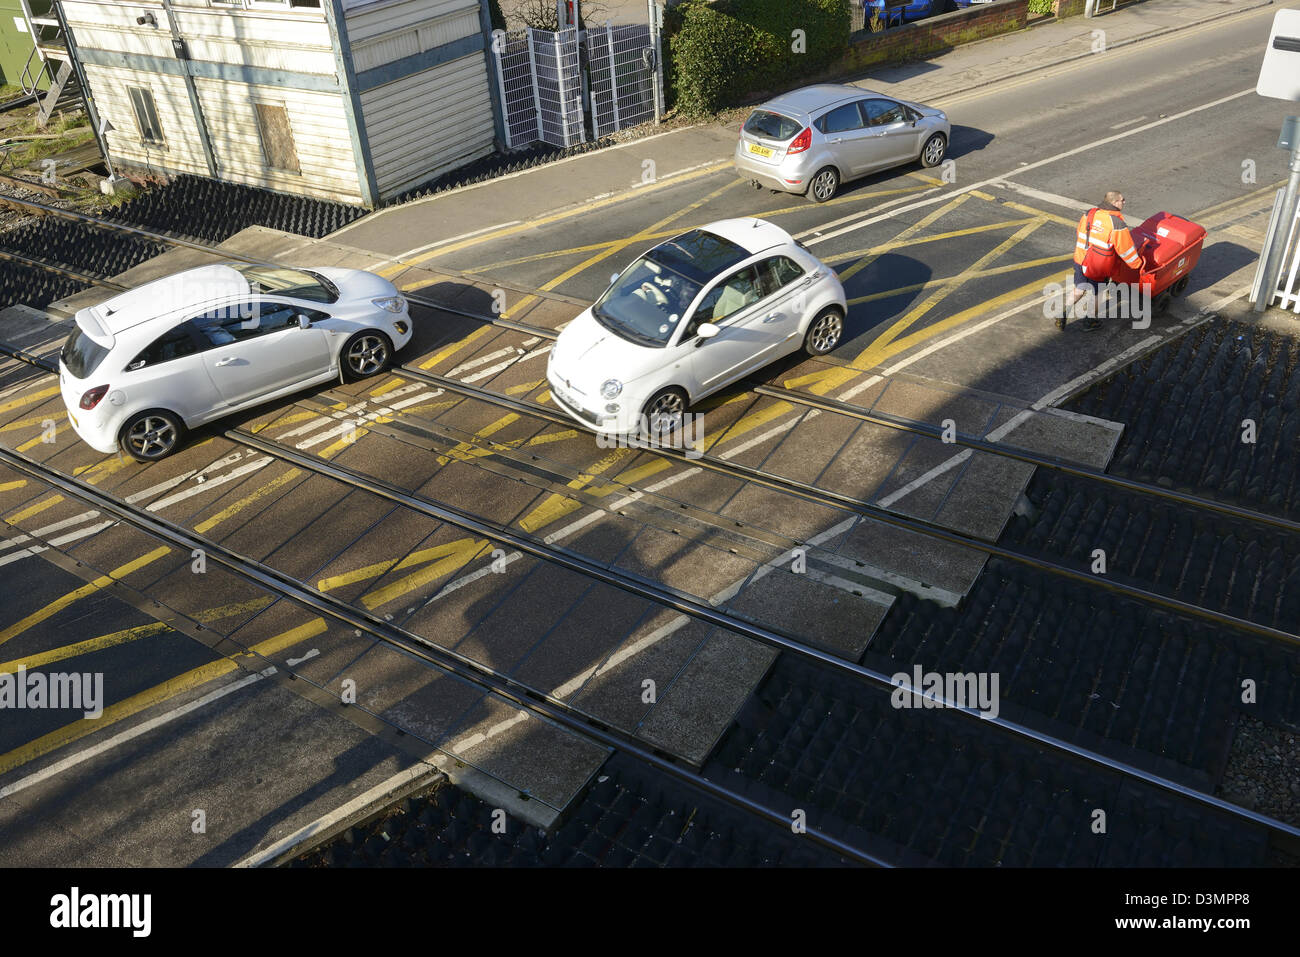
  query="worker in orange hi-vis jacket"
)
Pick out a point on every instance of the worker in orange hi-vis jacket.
point(1101, 239)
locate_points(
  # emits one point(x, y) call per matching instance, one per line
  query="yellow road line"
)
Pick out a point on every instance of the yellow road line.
point(464, 451)
point(462, 553)
point(28, 399)
point(26, 423)
point(291, 419)
point(34, 509)
point(1054, 217)
point(581, 209)
point(153, 696)
point(455, 347)
point(982, 274)
point(32, 443)
point(557, 505)
point(906, 234)
point(127, 635)
point(56, 606)
point(870, 357)
point(245, 502)
point(10, 486)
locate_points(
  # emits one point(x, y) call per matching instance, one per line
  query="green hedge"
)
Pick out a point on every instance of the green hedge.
point(719, 53)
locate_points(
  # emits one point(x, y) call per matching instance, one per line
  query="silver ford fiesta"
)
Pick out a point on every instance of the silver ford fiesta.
point(809, 141)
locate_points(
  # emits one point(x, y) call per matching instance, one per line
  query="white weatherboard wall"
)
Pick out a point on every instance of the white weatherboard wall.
point(428, 123)
point(294, 42)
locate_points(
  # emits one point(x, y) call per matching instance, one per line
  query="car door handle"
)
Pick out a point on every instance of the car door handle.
point(838, 139)
point(224, 362)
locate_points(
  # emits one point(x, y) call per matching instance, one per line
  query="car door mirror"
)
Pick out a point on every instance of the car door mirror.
point(613, 277)
point(304, 321)
point(706, 330)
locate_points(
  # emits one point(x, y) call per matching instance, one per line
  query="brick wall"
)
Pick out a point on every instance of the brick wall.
point(935, 35)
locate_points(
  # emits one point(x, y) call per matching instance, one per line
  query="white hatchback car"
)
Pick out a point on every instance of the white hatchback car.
point(140, 369)
point(689, 317)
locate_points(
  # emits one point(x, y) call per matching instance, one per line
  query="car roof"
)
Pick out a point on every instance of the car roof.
point(813, 99)
point(160, 299)
point(750, 234)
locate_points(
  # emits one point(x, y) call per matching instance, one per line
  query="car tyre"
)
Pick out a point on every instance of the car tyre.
point(933, 151)
point(152, 435)
point(663, 412)
point(824, 184)
point(824, 332)
point(365, 354)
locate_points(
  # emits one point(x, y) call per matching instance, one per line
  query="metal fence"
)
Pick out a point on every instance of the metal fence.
point(549, 81)
point(1284, 228)
point(621, 74)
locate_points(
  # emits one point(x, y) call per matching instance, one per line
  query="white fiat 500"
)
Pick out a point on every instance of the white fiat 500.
point(688, 318)
point(140, 369)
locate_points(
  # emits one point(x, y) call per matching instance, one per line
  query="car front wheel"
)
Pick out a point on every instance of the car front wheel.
point(824, 184)
point(366, 354)
point(824, 332)
point(153, 435)
point(933, 150)
point(663, 412)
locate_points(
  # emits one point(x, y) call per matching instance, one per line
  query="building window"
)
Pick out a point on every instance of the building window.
point(146, 116)
point(277, 138)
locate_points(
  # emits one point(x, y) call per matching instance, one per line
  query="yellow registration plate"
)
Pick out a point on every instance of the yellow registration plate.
point(760, 150)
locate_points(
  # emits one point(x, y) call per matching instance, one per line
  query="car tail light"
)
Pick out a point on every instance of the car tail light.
point(92, 397)
point(800, 142)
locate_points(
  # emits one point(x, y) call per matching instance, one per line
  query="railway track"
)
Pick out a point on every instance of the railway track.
point(786, 643)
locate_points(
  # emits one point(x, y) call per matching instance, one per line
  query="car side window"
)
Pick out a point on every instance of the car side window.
point(842, 119)
point(882, 112)
point(174, 344)
point(239, 322)
point(778, 272)
point(728, 297)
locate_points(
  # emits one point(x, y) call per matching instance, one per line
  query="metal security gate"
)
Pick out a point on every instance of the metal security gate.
point(539, 74)
point(548, 79)
point(621, 72)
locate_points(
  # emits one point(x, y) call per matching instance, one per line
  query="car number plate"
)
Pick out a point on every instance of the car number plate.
point(760, 150)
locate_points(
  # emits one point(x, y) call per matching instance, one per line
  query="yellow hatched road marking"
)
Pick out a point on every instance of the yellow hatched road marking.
point(925, 222)
point(464, 451)
point(870, 356)
point(38, 440)
point(455, 347)
point(154, 696)
point(10, 486)
point(56, 606)
point(26, 423)
point(936, 237)
point(948, 280)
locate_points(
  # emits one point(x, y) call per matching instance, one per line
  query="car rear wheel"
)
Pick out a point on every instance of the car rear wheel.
point(663, 412)
point(153, 435)
point(366, 354)
point(933, 150)
point(824, 184)
point(824, 332)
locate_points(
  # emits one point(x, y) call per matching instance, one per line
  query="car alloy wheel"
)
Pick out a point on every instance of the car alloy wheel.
point(365, 354)
point(824, 185)
point(664, 412)
point(932, 155)
point(824, 333)
point(151, 436)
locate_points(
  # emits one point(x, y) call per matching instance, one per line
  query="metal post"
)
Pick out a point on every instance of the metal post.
point(657, 74)
point(537, 96)
point(559, 82)
point(1281, 239)
point(613, 77)
point(498, 50)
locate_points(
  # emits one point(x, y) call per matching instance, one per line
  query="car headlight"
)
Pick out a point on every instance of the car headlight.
point(390, 303)
point(611, 388)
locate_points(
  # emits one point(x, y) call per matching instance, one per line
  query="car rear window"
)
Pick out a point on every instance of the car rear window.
point(82, 354)
point(773, 126)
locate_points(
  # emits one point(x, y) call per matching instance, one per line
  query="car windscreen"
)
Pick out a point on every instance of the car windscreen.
point(646, 303)
point(771, 125)
point(295, 283)
point(81, 354)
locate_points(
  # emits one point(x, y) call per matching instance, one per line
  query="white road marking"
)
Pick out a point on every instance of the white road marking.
point(925, 479)
point(144, 727)
point(1120, 126)
point(442, 242)
point(501, 366)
